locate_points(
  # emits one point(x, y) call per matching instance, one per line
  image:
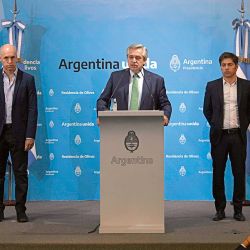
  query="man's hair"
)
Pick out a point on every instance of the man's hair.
point(227, 55)
point(5, 45)
point(139, 46)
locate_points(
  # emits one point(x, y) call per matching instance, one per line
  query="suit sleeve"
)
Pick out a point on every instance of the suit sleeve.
point(103, 101)
point(32, 109)
point(207, 105)
point(164, 102)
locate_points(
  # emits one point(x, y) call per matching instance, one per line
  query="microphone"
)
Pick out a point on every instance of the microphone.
point(118, 84)
point(151, 95)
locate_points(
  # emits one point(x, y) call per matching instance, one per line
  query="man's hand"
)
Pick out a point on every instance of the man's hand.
point(98, 122)
point(165, 120)
point(29, 143)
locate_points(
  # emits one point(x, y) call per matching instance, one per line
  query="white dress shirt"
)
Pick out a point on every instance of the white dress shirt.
point(9, 86)
point(231, 112)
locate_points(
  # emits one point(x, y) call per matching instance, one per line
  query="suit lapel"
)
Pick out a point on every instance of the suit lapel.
point(239, 91)
point(146, 87)
point(17, 85)
point(126, 87)
point(220, 92)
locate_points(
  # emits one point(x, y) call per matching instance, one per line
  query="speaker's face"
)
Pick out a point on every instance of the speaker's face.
point(136, 60)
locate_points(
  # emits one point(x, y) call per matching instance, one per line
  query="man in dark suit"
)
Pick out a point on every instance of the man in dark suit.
point(18, 121)
point(136, 88)
point(227, 109)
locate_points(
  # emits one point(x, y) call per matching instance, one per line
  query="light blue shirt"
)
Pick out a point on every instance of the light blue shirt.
point(9, 86)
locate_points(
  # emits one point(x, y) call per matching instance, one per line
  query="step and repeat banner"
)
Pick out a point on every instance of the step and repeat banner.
point(72, 46)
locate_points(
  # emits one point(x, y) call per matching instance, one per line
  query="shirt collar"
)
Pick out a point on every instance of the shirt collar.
point(15, 72)
point(225, 82)
point(140, 74)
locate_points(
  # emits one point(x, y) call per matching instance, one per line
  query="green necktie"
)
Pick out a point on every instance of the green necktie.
point(134, 94)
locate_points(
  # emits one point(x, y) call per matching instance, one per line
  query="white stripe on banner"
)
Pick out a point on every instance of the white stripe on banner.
point(246, 44)
point(237, 45)
point(240, 73)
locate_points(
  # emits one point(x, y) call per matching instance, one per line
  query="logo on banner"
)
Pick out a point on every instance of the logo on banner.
point(78, 140)
point(51, 156)
point(175, 63)
point(78, 171)
point(51, 124)
point(182, 171)
point(209, 157)
point(182, 139)
point(51, 92)
point(78, 108)
point(131, 141)
point(182, 107)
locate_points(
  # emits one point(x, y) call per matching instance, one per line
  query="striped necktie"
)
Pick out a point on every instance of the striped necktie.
point(134, 94)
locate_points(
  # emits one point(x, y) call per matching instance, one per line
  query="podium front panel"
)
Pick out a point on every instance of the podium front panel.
point(132, 172)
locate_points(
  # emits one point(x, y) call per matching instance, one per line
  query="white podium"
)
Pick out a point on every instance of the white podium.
point(132, 172)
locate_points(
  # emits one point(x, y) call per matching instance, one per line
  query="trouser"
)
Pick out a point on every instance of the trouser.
point(19, 159)
point(230, 145)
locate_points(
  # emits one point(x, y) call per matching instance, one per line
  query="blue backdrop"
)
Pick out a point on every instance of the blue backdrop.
point(72, 46)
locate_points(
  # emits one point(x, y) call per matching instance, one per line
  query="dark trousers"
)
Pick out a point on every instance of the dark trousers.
point(19, 159)
point(233, 146)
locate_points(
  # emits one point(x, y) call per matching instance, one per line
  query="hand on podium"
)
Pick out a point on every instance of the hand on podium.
point(98, 122)
point(165, 120)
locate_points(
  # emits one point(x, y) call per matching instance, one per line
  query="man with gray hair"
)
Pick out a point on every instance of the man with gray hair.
point(136, 88)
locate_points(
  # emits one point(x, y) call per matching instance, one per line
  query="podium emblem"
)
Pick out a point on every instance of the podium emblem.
point(131, 141)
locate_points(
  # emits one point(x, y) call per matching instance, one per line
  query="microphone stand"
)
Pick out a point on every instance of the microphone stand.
point(9, 202)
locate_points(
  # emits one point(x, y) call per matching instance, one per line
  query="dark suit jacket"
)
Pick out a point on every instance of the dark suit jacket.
point(213, 107)
point(24, 107)
point(153, 92)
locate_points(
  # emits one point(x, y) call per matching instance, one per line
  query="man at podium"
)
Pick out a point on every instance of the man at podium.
point(135, 88)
